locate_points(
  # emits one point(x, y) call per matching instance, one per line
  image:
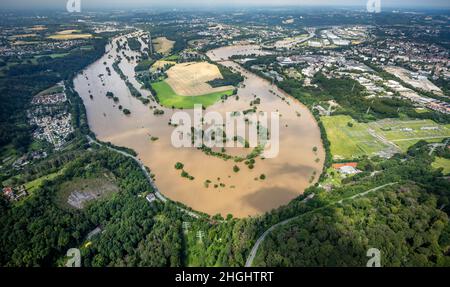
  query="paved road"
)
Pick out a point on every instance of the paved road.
point(158, 194)
point(255, 248)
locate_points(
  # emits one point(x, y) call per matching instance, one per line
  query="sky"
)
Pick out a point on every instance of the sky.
point(108, 4)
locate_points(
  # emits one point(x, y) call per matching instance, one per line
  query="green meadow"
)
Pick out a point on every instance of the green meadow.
point(168, 98)
point(443, 163)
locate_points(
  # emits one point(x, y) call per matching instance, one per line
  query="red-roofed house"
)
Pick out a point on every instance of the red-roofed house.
point(348, 168)
point(8, 192)
point(339, 165)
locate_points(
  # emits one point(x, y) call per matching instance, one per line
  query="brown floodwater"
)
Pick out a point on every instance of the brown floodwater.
point(287, 175)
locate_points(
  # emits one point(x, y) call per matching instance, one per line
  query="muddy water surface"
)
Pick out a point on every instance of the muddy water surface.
point(287, 175)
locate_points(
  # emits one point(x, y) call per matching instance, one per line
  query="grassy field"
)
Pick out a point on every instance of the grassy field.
point(358, 139)
point(160, 64)
point(168, 98)
point(53, 56)
point(171, 58)
point(163, 45)
point(37, 183)
point(350, 142)
point(333, 178)
point(444, 163)
point(8, 154)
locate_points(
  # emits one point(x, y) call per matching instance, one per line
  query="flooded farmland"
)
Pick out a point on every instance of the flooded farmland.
point(241, 193)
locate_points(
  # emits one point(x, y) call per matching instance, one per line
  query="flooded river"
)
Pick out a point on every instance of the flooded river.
point(241, 194)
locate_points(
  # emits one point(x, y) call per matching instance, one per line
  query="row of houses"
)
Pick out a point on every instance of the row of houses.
point(14, 194)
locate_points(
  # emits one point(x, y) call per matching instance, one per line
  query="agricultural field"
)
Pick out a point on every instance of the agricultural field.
point(163, 45)
point(168, 98)
point(38, 28)
point(20, 36)
point(444, 163)
point(350, 139)
point(70, 35)
point(187, 85)
point(191, 79)
point(68, 32)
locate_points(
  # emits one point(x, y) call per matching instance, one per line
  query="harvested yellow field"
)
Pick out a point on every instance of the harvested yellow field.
point(191, 79)
point(161, 64)
point(70, 36)
point(38, 28)
point(67, 32)
point(163, 45)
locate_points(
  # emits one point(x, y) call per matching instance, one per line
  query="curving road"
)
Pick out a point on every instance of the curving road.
point(158, 194)
point(255, 248)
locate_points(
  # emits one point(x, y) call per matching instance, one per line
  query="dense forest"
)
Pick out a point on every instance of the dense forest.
point(407, 221)
point(403, 222)
point(229, 78)
point(38, 232)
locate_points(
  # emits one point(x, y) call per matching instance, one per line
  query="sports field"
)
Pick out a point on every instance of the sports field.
point(408, 132)
point(168, 98)
point(350, 142)
point(380, 137)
